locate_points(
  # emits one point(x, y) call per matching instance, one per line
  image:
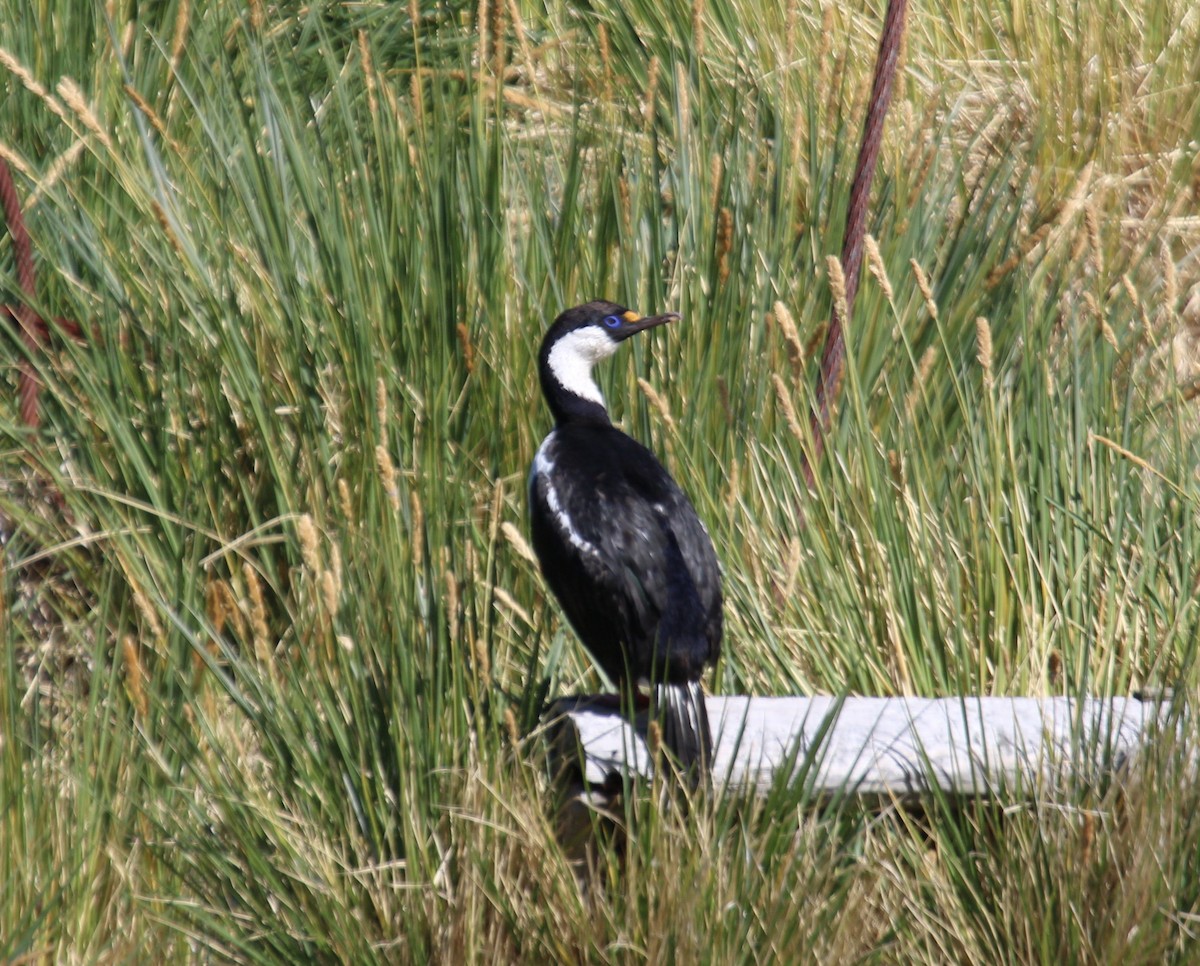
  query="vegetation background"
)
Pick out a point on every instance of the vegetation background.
point(274, 648)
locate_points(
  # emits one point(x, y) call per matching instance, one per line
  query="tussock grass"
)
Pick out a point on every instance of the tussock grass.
point(275, 651)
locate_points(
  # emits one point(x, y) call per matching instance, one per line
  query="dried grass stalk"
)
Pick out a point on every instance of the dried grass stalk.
point(658, 402)
point(876, 267)
point(983, 344)
point(518, 542)
point(925, 288)
point(785, 404)
point(791, 338)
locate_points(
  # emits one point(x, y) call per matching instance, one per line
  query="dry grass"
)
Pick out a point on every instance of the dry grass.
point(278, 649)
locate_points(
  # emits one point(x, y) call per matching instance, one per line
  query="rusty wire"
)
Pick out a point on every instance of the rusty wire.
point(23, 314)
point(833, 357)
point(33, 328)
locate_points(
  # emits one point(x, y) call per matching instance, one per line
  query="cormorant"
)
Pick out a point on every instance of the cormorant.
point(618, 541)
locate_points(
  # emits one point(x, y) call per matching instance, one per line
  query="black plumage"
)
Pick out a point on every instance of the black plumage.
point(618, 541)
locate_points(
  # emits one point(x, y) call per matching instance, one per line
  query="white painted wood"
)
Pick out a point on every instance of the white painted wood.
point(888, 746)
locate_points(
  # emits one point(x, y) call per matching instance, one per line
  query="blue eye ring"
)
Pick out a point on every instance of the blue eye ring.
point(613, 321)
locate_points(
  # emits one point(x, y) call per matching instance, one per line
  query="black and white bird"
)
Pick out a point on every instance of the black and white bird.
point(618, 541)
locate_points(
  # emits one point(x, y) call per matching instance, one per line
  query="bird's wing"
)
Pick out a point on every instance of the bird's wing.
point(687, 545)
point(624, 552)
point(604, 556)
point(699, 557)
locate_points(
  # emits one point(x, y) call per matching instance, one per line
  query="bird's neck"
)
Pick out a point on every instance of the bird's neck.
point(569, 387)
point(568, 406)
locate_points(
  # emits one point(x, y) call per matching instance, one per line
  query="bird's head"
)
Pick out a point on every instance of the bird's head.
point(597, 328)
point(579, 338)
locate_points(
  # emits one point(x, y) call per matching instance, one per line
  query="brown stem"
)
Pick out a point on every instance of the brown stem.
point(834, 355)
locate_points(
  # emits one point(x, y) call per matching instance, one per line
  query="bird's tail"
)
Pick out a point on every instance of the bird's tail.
point(686, 733)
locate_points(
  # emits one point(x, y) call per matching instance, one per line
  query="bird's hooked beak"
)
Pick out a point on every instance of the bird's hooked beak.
point(632, 323)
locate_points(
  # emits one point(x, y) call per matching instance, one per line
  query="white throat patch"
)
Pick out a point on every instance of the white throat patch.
point(573, 356)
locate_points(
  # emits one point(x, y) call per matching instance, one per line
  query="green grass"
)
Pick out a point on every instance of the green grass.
point(273, 658)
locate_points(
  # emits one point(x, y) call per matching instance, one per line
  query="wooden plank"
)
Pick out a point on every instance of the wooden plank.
point(886, 746)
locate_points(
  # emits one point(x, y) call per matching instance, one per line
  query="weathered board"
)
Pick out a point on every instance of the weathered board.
point(887, 746)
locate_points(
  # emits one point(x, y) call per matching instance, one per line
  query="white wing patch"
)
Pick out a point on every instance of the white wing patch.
point(541, 478)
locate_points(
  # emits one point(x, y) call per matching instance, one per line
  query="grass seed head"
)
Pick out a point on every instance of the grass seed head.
point(511, 728)
point(364, 52)
point(347, 505)
point(418, 529)
point(716, 169)
point(179, 37)
point(920, 379)
point(837, 284)
point(518, 542)
point(468, 349)
point(331, 593)
point(387, 476)
point(452, 605)
point(605, 54)
point(483, 662)
point(650, 101)
point(135, 674)
point(69, 91)
point(381, 405)
point(698, 27)
point(657, 402)
point(925, 288)
point(876, 267)
point(1092, 220)
point(785, 405)
point(417, 94)
point(335, 563)
point(149, 615)
point(983, 343)
point(215, 606)
point(724, 243)
point(791, 338)
point(510, 603)
point(30, 83)
point(263, 650)
point(654, 738)
point(151, 115)
point(1170, 279)
point(1130, 290)
point(310, 547)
